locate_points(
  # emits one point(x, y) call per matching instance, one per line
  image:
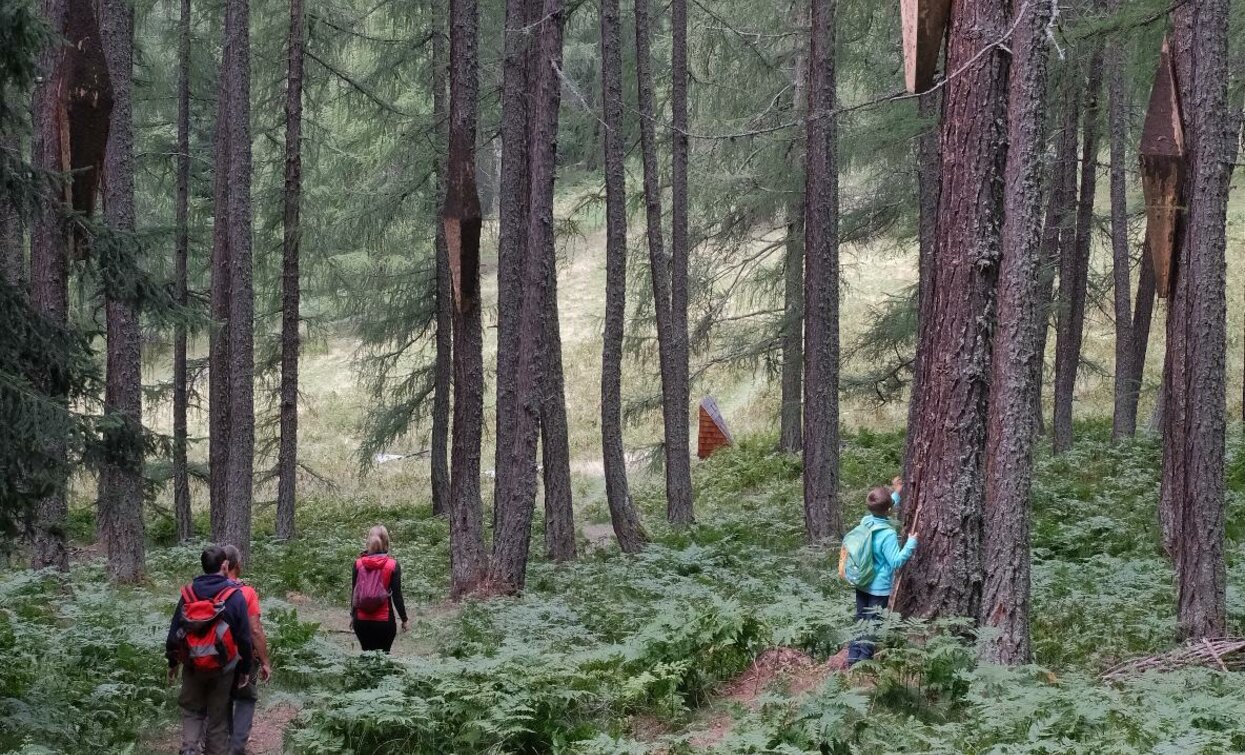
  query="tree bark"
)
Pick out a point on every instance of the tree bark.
point(219, 424)
point(1195, 375)
point(1143, 315)
point(1012, 424)
point(676, 396)
point(929, 185)
point(678, 464)
point(1057, 228)
point(61, 91)
point(1074, 270)
point(945, 488)
point(121, 483)
point(184, 520)
point(554, 436)
point(822, 517)
point(239, 472)
point(291, 339)
point(1124, 419)
point(626, 522)
point(444, 370)
point(512, 212)
point(516, 499)
point(461, 218)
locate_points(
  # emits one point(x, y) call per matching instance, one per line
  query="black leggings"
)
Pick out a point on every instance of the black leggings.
point(375, 635)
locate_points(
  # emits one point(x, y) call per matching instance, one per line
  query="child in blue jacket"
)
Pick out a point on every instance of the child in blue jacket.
point(887, 558)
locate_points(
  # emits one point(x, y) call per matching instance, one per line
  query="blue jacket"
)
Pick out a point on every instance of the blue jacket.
point(887, 555)
point(207, 586)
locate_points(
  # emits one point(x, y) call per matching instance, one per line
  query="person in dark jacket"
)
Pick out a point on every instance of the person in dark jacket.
point(376, 629)
point(204, 697)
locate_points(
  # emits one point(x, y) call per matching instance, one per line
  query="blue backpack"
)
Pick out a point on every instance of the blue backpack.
point(856, 555)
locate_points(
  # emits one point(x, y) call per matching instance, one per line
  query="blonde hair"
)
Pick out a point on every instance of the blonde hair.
point(378, 539)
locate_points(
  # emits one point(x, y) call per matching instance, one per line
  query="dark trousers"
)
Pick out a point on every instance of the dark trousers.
point(204, 701)
point(244, 700)
point(375, 635)
point(869, 609)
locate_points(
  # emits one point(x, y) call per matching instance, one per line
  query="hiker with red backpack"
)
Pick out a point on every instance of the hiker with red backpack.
point(245, 698)
point(868, 561)
point(376, 594)
point(210, 640)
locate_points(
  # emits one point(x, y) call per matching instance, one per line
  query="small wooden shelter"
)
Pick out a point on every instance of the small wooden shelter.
point(924, 28)
point(713, 431)
point(1163, 170)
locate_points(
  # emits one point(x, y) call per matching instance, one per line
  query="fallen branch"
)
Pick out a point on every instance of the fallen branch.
point(1226, 654)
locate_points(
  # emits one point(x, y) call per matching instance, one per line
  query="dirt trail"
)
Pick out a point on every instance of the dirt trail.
point(267, 732)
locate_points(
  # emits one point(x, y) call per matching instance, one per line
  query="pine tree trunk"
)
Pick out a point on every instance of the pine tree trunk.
point(184, 521)
point(1124, 420)
point(516, 498)
point(791, 417)
point(554, 436)
point(1194, 379)
point(49, 264)
point(626, 522)
point(287, 460)
point(239, 472)
point(676, 396)
point(512, 211)
point(219, 425)
point(121, 484)
point(1074, 270)
point(461, 216)
point(1012, 426)
point(822, 517)
point(444, 370)
point(678, 481)
point(945, 485)
point(1143, 315)
point(929, 184)
point(1057, 229)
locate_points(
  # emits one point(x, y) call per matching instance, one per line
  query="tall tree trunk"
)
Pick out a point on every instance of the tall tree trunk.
point(121, 484)
point(219, 425)
point(514, 189)
point(444, 370)
point(1012, 424)
point(1074, 269)
point(676, 396)
point(678, 464)
point(461, 218)
point(945, 485)
point(1057, 230)
point(554, 436)
point(239, 472)
point(49, 257)
point(1124, 420)
point(822, 517)
point(1143, 315)
point(1193, 418)
point(184, 521)
point(791, 416)
point(287, 460)
point(929, 184)
point(516, 499)
point(623, 516)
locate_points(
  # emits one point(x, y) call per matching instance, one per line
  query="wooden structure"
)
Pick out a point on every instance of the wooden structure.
point(924, 28)
point(1163, 170)
point(713, 431)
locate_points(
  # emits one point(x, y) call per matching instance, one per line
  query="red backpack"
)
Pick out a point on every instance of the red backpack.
point(207, 642)
point(371, 587)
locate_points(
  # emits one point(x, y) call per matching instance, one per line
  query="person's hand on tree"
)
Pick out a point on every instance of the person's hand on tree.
point(897, 484)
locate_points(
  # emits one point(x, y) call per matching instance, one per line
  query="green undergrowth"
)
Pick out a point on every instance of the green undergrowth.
point(626, 654)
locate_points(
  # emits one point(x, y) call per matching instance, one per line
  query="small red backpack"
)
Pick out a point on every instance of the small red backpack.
point(371, 588)
point(206, 638)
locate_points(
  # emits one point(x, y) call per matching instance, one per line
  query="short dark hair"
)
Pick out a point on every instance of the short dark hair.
point(234, 557)
point(879, 501)
point(214, 556)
